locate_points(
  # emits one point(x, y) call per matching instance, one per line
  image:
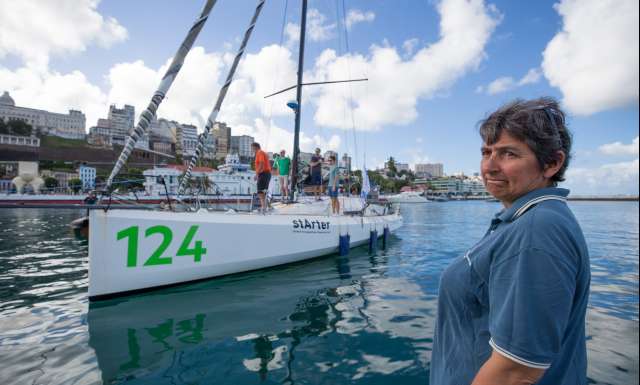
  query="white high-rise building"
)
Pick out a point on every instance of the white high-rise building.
point(241, 145)
point(70, 126)
point(122, 119)
point(402, 166)
point(433, 170)
point(186, 140)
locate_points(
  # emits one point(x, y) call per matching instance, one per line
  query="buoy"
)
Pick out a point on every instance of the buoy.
point(373, 241)
point(385, 237)
point(344, 244)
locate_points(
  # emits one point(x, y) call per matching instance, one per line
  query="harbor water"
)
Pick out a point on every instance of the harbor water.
point(357, 319)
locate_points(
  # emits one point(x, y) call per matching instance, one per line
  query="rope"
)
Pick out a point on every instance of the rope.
point(147, 115)
point(223, 92)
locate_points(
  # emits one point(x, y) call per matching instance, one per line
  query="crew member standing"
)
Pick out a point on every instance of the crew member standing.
point(263, 174)
point(283, 164)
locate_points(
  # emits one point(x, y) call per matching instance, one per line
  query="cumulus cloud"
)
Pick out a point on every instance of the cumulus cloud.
point(409, 46)
point(395, 85)
point(53, 91)
point(33, 30)
point(618, 148)
point(507, 83)
point(355, 16)
point(593, 60)
point(318, 29)
point(608, 179)
point(274, 137)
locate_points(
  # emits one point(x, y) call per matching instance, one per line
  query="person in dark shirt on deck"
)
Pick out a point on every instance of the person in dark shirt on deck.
point(263, 174)
point(316, 173)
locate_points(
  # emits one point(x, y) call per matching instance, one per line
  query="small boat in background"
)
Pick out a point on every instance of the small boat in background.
point(407, 197)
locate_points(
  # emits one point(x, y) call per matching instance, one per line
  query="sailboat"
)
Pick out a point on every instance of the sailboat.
point(139, 250)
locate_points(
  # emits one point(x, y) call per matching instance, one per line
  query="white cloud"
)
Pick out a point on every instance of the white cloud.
point(395, 85)
point(317, 28)
point(409, 46)
point(53, 91)
point(355, 16)
point(33, 30)
point(531, 77)
point(275, 138)
point(507, 83)
point(608, 179)
point(594, 59)
point(618, 148)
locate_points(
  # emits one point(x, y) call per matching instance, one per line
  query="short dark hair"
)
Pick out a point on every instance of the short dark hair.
point(540, 123)
point(332, 157)
point(255, 145)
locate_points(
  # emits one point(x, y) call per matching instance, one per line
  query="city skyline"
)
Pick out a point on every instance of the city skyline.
point(426, 89)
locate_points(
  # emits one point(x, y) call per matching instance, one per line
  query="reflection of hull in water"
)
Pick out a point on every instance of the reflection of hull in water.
point(132, 250)
point(255, 322)
point(141, 333)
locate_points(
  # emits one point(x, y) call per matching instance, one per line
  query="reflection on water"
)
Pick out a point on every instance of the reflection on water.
point(334, 320)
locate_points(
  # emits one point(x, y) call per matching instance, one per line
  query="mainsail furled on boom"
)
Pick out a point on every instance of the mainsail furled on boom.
point(147, 115)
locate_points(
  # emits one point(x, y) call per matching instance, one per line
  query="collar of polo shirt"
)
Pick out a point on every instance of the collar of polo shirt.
point(530, 199)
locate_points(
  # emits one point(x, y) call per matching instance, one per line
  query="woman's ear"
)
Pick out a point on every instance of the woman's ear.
point(554, 166)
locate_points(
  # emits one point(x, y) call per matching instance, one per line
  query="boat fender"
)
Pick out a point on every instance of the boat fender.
point(373, 241)
point(344, 244)
point(385, 238)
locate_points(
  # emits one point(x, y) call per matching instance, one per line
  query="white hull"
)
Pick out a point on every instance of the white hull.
point(234, 242)
point(407, 198)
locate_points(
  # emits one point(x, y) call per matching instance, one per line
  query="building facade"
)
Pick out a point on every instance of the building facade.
point(88, 177)
point(222, 134)
point(429, 170)
point(186, 140)
point(69, 126)
point(241, 145)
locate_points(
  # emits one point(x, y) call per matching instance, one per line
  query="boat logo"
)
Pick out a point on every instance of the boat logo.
point(310, 226)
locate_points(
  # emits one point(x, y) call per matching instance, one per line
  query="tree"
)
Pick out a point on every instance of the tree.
point(75, 184)
point(391, 165)
point(50, 182)
point(20, 128)
point(3, 127)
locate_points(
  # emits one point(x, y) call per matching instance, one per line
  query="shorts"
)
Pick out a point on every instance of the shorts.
point(284, 179)
point(333, 192)
point(316, 178)
point(263, 181)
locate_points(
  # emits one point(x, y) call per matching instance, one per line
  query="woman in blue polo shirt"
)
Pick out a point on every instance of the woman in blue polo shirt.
point(512, 309)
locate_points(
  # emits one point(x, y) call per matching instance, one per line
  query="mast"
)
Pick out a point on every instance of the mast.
point(296, 134)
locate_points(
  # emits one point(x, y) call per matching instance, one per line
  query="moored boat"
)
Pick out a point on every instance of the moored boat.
point(132, 250)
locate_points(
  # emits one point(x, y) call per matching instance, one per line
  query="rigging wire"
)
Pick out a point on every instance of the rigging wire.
point(351, 104)
point(277, 75)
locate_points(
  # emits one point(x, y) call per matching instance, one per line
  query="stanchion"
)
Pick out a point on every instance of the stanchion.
point(344, 244)
point(385, 238)
point(373, 241)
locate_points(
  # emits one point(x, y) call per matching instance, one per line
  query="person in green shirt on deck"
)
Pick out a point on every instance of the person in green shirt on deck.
point(283, 164)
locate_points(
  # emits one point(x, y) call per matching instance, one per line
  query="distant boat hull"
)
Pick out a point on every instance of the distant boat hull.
point(407, 197)
point(133, 250)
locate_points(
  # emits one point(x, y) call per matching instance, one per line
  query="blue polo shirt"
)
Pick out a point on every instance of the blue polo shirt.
point(521, 291)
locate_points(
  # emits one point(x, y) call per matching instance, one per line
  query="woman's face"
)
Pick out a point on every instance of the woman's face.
point(510, 169)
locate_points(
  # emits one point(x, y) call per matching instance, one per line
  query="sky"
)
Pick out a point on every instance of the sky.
point(434, 69)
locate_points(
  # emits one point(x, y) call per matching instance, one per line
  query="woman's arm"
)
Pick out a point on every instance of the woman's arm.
point(500, 370)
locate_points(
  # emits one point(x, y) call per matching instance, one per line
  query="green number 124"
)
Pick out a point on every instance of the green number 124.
point(156, 258)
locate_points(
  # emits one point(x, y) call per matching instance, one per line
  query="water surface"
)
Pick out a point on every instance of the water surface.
point(335, 320)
